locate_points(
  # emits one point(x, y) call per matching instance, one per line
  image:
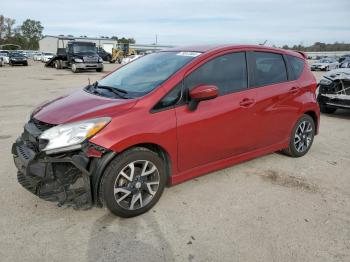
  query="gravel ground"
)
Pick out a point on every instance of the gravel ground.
point(273, 208)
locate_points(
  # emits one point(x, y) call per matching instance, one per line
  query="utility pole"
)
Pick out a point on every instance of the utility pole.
point(156, 39)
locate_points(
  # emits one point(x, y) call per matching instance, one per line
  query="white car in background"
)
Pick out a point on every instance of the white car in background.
point(5, 57)
point(325, 64)
point(46, 57)
point(37, 56)
point(130, 58)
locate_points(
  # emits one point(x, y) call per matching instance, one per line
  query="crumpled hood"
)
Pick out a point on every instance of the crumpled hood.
point(340, 73)
point(80, 105)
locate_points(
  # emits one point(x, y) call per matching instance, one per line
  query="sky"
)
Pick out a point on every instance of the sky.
point(187, 22)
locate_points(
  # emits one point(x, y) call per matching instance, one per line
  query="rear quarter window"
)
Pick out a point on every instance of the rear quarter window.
point(267, 68)
point(297, 66)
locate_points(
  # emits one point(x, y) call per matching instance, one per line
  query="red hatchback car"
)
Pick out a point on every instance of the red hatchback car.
point(165, 118)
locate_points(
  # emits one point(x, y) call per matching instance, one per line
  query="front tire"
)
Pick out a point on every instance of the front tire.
point(133, 182)
point(99, 70)
point(302, 137)
point(74, 68)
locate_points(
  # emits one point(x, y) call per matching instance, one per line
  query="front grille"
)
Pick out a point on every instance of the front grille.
point(336, 87)
point(25, 153)
point(90, 59)
point(26, 183)
point(42, 126)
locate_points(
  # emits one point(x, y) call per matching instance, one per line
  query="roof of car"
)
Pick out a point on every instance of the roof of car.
point(209, 48)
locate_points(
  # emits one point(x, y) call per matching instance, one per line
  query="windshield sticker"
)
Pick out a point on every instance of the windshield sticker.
point(192, 54)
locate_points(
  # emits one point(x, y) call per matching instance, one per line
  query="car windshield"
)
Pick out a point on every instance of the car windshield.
point(345, 65)
point(84, 48)
point(16, 54)
point(146, 73)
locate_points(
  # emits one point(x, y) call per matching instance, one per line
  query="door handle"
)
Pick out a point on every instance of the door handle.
point(294, 90)
point(246, 102)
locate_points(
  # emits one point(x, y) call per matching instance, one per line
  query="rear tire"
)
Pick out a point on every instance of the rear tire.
point(301, 138)
point(58, 64)
point(133, 182)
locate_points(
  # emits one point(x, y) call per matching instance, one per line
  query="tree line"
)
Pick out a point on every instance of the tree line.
point(26, 35)
point(320, 47)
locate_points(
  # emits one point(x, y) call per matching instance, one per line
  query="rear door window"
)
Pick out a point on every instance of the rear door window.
point(297, 65)
point(267, 69)
point(227, 72)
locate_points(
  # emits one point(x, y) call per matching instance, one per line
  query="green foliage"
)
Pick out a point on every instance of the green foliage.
point(32, 31)
point(27, 35)
point(124, 40)
point(320, 47)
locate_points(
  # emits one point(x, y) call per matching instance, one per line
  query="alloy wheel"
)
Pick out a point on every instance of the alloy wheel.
point(136, 184)
point(303, 136)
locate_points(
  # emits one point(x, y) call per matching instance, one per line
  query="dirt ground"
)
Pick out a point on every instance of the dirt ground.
point(273, 208)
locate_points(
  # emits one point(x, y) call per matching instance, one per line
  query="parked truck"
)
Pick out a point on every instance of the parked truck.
point(77, 55)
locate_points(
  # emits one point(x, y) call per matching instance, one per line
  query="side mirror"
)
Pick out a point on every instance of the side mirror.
point(201, 93)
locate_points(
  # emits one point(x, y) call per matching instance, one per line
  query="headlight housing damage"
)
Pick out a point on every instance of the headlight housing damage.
point(70, 136)
point(325, 81)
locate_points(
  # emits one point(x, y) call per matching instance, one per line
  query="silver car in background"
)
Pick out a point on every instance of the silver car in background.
point(46, 57)
point(5, 56)
point(325, 64)
point(37, 56)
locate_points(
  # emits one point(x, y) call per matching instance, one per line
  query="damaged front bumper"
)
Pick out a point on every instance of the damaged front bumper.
point(336, 93)
point(69, 178)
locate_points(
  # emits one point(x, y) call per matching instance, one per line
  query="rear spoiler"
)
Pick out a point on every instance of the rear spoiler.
point(303, 54)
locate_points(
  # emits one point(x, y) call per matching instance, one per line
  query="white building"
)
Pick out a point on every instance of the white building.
point(51, 43)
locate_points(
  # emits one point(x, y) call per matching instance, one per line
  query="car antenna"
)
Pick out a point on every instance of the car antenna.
point(263, 43)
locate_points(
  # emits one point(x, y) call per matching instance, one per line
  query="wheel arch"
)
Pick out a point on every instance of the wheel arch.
point(314, 117)
point(163, 154)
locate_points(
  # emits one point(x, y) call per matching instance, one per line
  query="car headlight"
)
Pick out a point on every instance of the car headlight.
point(68, 137)
point(78, 60)
point(325, 81)
point(100, 60)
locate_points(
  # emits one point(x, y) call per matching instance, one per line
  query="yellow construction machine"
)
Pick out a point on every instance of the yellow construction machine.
point(120, 51)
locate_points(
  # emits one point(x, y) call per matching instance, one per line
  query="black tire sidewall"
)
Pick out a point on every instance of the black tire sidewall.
point(292, 148)
point(112, 171)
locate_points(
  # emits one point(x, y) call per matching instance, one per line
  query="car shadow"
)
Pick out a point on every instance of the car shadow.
point(116, 239)
point(340, 113)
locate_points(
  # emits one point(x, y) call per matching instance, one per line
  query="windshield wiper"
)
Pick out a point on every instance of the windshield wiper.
point(114, 90)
